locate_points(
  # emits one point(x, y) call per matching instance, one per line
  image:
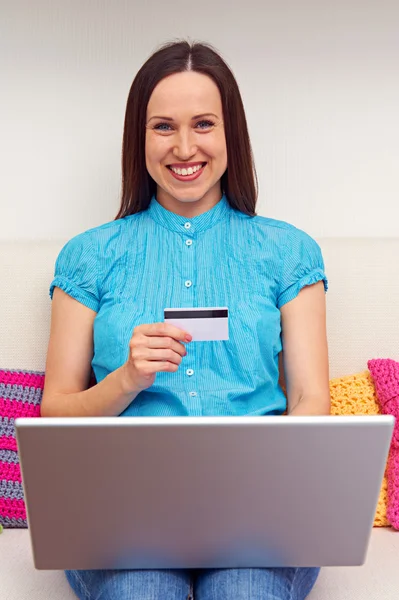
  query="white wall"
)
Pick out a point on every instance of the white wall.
point(319, 82)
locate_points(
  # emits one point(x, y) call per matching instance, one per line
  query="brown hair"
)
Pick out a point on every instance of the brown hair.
point(239, 181)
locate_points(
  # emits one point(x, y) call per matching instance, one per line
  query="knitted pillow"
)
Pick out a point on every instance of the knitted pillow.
point(385, 373)
point(20, 396)
point(356, 395)
point(21, 393)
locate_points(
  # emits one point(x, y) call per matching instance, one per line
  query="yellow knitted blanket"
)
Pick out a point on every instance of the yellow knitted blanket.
point(355, 395)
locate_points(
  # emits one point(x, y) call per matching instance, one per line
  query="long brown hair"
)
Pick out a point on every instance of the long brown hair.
point(239, 182)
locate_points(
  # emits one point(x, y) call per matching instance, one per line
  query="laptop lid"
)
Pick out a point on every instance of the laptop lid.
point(201, 492)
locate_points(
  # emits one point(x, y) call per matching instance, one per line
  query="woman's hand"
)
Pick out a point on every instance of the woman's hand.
point(153, 348)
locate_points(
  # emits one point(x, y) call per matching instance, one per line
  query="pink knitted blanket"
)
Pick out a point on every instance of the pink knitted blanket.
point(385, 374)
point(20, 396)
point(21, 393)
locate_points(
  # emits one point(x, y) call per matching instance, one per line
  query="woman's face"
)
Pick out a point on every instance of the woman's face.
point(175, 138)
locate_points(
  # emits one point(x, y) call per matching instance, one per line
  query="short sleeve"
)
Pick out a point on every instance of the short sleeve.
point(76, 271)
point(303, 265)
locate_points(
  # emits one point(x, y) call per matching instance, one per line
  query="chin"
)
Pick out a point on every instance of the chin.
point(181, 197)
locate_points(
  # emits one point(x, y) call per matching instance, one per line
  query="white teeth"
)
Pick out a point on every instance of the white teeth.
point(188, 171)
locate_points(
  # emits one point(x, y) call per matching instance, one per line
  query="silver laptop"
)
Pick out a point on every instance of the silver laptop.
point(201, 492)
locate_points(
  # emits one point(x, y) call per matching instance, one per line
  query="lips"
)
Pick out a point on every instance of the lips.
point(187, 177)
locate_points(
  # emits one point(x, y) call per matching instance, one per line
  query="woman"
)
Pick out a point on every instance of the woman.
point(187, 235)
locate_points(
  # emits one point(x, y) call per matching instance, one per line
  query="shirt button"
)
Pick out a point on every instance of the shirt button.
point(190, 372)
point(188, 284)
point(187, 225)
point(193, 393)
point(189, 242)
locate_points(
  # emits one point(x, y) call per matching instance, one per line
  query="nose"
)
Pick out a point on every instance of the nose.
point(185, 146)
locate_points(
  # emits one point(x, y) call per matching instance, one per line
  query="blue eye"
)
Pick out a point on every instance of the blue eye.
point(159, 126)
point(208, 124)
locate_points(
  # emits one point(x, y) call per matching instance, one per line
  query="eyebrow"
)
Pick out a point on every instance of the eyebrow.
point(193, 118)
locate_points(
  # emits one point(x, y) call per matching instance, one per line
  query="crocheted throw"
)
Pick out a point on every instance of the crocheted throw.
point(385, 373)
point(21, 393)
point(20, 396)
point(355, 395)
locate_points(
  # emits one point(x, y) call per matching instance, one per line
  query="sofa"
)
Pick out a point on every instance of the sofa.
point(362, 321)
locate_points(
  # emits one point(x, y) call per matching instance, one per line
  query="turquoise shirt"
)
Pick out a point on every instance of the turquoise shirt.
point(129, 270)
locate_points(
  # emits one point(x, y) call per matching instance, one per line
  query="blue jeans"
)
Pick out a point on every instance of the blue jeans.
point(292, 583)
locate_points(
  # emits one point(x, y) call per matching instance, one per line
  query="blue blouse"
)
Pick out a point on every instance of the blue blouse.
point(129, 270)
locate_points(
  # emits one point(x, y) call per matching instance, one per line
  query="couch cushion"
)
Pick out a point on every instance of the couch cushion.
point(362, 302)
point(378, 578)
point(19, 579)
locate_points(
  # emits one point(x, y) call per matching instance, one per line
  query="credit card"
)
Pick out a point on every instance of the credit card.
point(204, 324)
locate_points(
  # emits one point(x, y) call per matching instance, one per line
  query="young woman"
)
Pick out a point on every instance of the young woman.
point(187, 235)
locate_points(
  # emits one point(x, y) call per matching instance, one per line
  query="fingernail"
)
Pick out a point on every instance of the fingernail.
point(188, 338)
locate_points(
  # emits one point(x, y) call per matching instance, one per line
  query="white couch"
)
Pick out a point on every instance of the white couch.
point(363, 323)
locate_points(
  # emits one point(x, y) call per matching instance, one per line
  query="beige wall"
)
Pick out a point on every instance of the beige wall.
point(319, 82)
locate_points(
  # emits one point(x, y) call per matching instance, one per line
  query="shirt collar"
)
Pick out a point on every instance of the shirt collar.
point(174, 222)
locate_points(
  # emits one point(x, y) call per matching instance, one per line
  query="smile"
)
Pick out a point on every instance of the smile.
point(187, 174)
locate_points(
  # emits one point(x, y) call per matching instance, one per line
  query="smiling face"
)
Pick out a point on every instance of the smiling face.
point(185, 131)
